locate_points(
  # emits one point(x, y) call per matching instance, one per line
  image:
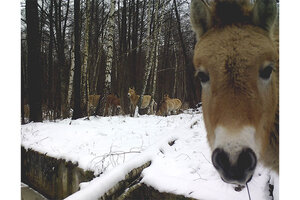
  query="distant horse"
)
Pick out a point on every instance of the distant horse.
point(112, 106)
point(236, 61)
point(26, 111)
point(168, 105)
point(93, 101)
point(134, 99)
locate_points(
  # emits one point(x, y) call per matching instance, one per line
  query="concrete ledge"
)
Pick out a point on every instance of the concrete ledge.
point(142, 191)
point(54, 178)
point(57, 179)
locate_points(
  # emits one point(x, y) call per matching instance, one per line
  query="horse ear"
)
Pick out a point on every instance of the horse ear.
point(200, 17)
point(264, 13)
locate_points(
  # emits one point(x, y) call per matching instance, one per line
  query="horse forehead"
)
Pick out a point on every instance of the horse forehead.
point(241, 45)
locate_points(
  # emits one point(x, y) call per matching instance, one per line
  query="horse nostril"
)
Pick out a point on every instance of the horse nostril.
point(237, 170)
point(247, 160)
point(220, 159)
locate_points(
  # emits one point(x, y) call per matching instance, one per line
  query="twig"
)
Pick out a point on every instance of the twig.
point(248, 191)
point(205, 158)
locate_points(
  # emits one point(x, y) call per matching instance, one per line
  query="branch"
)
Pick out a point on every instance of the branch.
point(132, 179)
point(23, 20)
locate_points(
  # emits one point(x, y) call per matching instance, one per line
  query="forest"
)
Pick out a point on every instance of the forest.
point(75, 53)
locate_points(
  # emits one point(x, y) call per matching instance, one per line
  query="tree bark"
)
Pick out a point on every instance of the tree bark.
point(108, 68)
point(135, 27)
point(148, 57)
point(22, 95)
point(61, 89)
point(176, 73)
point(85, 59)
point(34, 68)
point(77, 108)
point(50, 61)
point(71, 76)
point(157, 32)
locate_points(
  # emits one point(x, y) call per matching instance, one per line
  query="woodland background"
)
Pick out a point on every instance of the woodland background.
point(74, 48)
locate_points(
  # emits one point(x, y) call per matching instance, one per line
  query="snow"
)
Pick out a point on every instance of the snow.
point(113, 146)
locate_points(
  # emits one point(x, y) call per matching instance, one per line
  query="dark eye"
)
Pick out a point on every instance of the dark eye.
point(266, 72)
point(203, 77)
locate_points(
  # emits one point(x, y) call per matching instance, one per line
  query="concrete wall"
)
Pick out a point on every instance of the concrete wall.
point(145, 192)
point(55, 179)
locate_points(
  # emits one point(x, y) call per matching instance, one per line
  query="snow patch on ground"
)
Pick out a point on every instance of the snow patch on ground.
point(113, 146)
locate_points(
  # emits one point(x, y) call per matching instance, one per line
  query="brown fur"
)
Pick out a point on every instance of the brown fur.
point(134, 98)
point(113, 105)
point(26, 111)
point(233, 45)
point(93, 102)
point(94, 99)
point(169, 105)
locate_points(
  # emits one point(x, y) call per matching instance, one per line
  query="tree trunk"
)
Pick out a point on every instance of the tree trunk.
point(157, 32)
point(61, 89)
point(50, 61)
point(77, 108)
point(63, 78)
point(134, 45)
point(148, 57)
point(22, 95)
point(176, 73)
point(85, 59)
point(108, 68)
point(34, 68)
point(71, 76)
point(122, 67)
point(189, 84)
point(60, 58)
point(95, 74)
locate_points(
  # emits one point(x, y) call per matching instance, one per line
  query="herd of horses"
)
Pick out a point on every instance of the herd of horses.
point(166, 106)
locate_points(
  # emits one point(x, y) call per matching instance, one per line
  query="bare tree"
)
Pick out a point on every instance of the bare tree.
point(51, 83)
point(34, 68)
point(158, 23)
point(190, 87)
point(109, 60)
point(85, 80)
point(71, 77)
point(149, 55)
point(77, 108)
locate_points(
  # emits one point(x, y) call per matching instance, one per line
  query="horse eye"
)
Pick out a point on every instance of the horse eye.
point(266, 72)
point(203, 77)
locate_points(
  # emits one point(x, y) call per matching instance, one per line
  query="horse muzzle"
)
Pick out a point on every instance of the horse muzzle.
point(239, 171)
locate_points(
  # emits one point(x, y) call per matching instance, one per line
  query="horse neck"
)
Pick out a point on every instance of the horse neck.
point(134, 98)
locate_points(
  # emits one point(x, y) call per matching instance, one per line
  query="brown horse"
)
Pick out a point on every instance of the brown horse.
point(26, 111)
point(93, 101)
point(236, 60)
point(113, 105)
point(168, 105)
point(134, 99)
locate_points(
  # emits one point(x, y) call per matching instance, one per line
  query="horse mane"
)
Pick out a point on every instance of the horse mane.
point(231, 12)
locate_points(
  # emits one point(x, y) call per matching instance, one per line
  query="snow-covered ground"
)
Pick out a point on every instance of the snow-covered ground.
point(113, 146)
